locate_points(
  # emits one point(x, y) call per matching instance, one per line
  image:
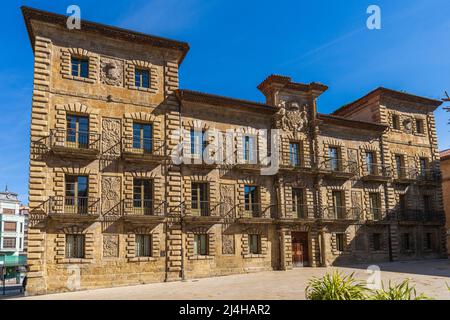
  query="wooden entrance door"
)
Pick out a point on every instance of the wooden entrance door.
point(300, 249)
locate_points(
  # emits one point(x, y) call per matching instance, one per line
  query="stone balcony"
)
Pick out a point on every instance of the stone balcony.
point(75, 144)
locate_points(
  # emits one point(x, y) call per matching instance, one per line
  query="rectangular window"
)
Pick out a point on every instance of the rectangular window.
point(249, 144)
point(198, 143)
point(338, 205)
point(143, 196)
point(375, 205)
point(333, 154)
point(142, 137)
point(80, 67)
point(9, 243)
point(399, 165)
point(298, 206)
point(21, 227)
point(9, 226)
point(396, 122)
point(20, 244)
point(201, 244)
point(77, 134)
point(419, 126)
point(142, 78)
point(74, 246)
point(376, 238)
point(423, 167)
point(251, 200)
point(429, 241)
point(143, 245)
point(427, 204)
point(294, 154)
point(76, 200)
point(254, 243)
point(370, 163)
point(340, 242)
point(199, 198)
point(402, 202)
point(406, 241)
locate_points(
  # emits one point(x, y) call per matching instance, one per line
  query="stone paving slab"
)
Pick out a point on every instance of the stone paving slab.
point(430, 277)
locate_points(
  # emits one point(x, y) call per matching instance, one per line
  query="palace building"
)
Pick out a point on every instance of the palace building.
point(123, 190)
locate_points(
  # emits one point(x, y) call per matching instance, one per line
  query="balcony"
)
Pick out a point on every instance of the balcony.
point(410, 215)
point(74, 208)
point(254, 213)
point(203, 212)
point(75, 144)
point(342, 214)
point(291, 162)
point(300, 214)
point(376, 172)
point(145, 211)
point(337, 168)
point(374, 214)
point(405, 175)
point(250, 165)
point(429, 177)
point(143, 150)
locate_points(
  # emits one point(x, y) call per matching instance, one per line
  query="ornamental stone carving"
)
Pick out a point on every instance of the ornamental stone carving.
point(227, 196)
point(110, 245)
point(111, 136)
point(407, 124)
point(111, 187)
point(291, 117)
point(228, 244)
point(111, 72)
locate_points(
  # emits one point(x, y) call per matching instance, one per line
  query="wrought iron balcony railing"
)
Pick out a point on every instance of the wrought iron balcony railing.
point(405, 173)
point(338, 166)
point(253, 210)
point(376, 171)
point(303, 212)
point(74, 206)
point(143, 146)
point(72, 139)
point(419, 215)
point(144, 207)
point(295, 161)
point(374, 214)
point(204, 208)
point(341, 213)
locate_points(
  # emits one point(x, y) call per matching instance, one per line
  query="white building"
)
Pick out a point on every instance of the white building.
point(12, 230)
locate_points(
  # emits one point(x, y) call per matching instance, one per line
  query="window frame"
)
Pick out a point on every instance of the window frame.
point(377, 245)
point(143, 245)
point(143, 132)
point(75, 246)
point(142, 78)
point(201, 244)
point(340, 242)
point(82, 67)
point(6, 240)
point(143, 188)
point(251, 245)
point(295, 156)
point(396, 125)
point(298, 202)
point(420, 126)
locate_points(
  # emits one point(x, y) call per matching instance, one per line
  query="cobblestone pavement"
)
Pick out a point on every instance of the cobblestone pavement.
point(430, 277)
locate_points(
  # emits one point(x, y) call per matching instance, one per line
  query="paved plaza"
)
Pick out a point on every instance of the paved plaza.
point(430, 277)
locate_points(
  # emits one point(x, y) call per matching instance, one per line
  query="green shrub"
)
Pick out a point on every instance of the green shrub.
point(335, 287)
point(402, 291)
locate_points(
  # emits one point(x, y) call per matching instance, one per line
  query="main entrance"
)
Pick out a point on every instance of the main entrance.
point(300, 249)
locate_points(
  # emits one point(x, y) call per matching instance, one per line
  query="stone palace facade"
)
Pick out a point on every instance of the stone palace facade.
point(121, 191)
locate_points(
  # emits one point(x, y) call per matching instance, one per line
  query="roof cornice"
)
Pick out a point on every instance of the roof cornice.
point(106, 30)
point(211, 99)
point(385, 92)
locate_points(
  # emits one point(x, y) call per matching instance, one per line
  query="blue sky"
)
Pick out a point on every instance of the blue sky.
point(236, 44)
